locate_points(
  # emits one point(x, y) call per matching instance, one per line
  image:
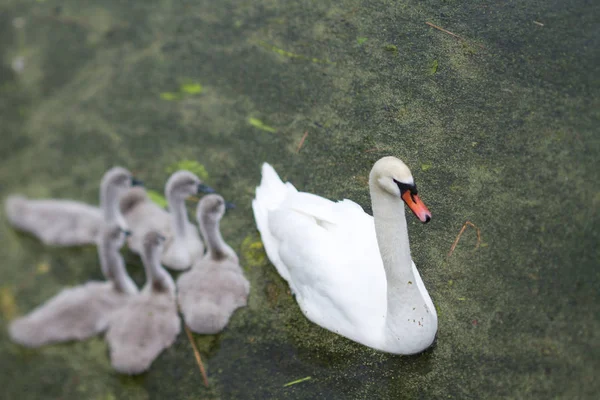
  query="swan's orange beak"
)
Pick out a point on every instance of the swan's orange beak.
point(417, 206)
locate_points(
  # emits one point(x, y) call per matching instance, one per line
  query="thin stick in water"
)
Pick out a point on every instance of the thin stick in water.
point(468, 223)
point(301, 142)
point(196, 354)
point(444, 30)
point(448, 32)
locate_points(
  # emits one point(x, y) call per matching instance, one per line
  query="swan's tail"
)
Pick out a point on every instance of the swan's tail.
point(272, 190)
point(269, 196)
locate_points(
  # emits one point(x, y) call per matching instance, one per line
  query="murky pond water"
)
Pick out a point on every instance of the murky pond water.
point(499, 125)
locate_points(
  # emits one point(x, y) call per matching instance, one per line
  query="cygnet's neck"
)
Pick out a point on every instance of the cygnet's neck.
point(113, 268)
point(179, 218)
point(109, 202)
point(217, 249)
point(157, 278)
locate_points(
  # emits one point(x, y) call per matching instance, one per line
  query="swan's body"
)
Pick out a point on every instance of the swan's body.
point(148, 323)
point(67, 222)
point(143, 215)
point(80, 312)
point(351, 273)
point(215, 287)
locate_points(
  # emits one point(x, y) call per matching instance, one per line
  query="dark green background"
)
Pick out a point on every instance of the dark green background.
point(503, 133)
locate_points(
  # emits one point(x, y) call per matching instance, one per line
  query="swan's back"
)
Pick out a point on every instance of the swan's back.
point(55, 222)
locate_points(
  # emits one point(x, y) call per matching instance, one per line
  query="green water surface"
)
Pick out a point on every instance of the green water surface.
point(499, 126)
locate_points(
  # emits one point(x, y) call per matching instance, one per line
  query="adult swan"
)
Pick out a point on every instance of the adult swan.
point(351, 273)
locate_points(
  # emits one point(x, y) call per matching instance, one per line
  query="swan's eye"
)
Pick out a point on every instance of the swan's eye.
point(406, 186)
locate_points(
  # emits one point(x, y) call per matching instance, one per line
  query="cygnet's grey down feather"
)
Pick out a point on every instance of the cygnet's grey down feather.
point(149, 323)
point(142, 215)
point(55, 222)
point(67, 222)
point(215, 287)
point(80, 312)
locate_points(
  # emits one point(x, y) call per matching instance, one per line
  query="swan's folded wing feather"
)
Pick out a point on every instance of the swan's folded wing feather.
point(326, 261)
point(314, 206)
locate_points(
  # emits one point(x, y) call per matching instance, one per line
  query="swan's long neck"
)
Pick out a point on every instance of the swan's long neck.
point(157, 278)
point(113, 268)
point(407, 314)
point(216, 246)
point(179, 219)
point(392, 238)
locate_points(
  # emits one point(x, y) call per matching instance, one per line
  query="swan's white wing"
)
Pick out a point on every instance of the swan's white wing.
point(330, 250)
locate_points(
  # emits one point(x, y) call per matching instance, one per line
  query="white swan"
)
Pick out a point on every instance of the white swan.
point(149, 323)
point(71, 223)
point(80, 312)
point(215, 287)
point(143, 215)
point(351, 273)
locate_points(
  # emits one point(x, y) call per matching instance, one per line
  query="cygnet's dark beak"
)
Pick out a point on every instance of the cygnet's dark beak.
point(136, 182)
point(202, 188)
point(229, 205)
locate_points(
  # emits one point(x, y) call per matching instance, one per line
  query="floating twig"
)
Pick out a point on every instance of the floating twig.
point(468, 223)
point(538, 23)
point(444, 30)
point(196, 354)
point(448, 32)
point(302, 141)
point(297, 381)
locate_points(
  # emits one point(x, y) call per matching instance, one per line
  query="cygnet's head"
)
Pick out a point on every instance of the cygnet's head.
point(213, 207)
point(114, 235)
point(183, 184)
point(120, 178)
point(394, 177)
point(153, 242)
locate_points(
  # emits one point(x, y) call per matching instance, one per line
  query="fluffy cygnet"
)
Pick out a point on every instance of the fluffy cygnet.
point(142, 215)
point(67, 222)
point(80, 312)
point(215, 286)
point(149, 323)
